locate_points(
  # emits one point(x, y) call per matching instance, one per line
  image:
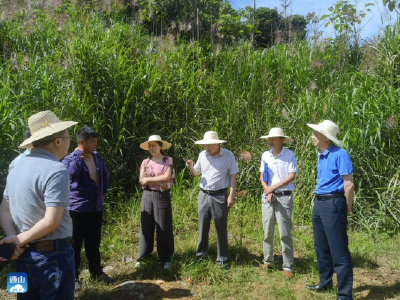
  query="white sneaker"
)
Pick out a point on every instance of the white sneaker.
point(167, 265)
point(137, 265)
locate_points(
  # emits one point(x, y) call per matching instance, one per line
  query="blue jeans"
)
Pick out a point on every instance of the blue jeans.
point(51, 274)
point(329, 219)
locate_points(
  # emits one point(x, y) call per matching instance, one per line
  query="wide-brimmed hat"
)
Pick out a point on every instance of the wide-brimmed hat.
point(44, 124)
point(278, 132)
point(155, 138)
point(210, 137)
point(328, 129)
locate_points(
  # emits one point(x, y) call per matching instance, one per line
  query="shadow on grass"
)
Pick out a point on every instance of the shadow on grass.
point(380, 292)
point(134, 290)
point(151, 269)
point(363, 262)
point(240, 255)
point(131, 285)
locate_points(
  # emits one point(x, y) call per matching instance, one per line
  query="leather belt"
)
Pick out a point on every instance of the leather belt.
point(282, 193)
point(214, 192)
point(150, 190)
point(329, 196)
point(49, 245)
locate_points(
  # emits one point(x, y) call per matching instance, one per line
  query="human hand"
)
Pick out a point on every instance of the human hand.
point(188, 163)
point(268, 190)
point(230, 201)
point(144, 181)
point(348, 210)
point(19, 249)
point(80, 148)
point(269, 197)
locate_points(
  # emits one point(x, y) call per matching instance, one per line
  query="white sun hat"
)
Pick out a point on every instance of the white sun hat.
point(328, 129)
point(210, 137)
point(278, 132)
point(44, 124)
point(155, 138)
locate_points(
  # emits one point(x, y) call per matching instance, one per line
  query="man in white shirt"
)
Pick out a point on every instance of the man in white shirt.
point(278, 169)
point(218, 170)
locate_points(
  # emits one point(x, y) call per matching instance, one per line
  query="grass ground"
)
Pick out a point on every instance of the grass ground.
point(375, 258)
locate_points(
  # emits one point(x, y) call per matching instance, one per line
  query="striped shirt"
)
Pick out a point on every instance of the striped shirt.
point(279, 167)
point(216, 170)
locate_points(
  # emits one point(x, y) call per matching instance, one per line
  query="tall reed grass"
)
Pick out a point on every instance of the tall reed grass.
point(107, 72)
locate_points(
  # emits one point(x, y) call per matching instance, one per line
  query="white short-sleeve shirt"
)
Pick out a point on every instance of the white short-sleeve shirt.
point(279, 167)
point(216, 170)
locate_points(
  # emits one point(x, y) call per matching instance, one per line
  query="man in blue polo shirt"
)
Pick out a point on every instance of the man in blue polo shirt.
point(334, 193)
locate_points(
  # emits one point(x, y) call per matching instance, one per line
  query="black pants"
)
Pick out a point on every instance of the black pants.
point(87, 227)
point(156, 213)
point(329, 219)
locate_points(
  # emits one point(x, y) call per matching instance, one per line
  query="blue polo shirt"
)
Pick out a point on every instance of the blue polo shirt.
point(333, 163)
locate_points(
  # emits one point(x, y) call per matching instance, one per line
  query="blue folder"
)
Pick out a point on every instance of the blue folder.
point(265, 175)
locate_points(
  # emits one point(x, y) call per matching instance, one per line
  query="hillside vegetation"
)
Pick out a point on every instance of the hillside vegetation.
point(106, 71)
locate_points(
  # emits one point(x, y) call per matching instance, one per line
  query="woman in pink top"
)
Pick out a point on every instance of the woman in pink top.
point(156, 213)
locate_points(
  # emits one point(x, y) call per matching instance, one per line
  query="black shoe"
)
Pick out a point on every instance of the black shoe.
point(103, 278)
point(318, 288)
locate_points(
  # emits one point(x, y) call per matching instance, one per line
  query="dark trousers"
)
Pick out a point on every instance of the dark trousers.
point(51, 274)
point(156, 214)
point(213, 206)
point(329, 219)
point(87, 227)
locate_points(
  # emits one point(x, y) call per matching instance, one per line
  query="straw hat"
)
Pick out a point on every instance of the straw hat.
point(278, 132)
point(44, 124)
point(210, 137)
point(155, 138)
point(328, 129)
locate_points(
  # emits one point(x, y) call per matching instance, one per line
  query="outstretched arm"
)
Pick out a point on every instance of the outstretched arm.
point(190, 165)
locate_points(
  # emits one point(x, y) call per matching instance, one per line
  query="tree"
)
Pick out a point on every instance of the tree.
point(346, 20)
point(298, 24)
point(233, 24)
point(267, 23)
point(314, 27)
point(393, 5)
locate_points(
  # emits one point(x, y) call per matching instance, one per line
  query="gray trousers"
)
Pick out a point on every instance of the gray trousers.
point(280, 210)
point(213, 207)
point(156, 213)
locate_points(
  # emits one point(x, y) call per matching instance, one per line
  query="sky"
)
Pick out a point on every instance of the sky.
point(372, 22)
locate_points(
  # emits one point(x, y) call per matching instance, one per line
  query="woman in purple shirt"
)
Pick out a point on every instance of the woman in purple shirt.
point(156, 213)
